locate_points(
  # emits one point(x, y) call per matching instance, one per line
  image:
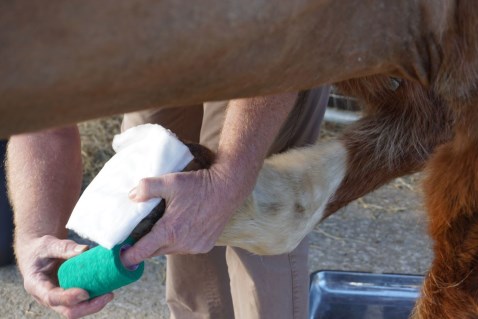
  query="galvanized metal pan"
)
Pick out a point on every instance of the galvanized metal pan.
point(356, 295)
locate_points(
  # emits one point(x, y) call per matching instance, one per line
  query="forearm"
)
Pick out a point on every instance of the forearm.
point(250, 127)
point(44, 174)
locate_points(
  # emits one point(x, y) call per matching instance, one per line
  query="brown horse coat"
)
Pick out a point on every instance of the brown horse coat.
point(69, 61)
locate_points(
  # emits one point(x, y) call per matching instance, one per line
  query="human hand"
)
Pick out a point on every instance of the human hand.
point(38, 260)
point(198, 206)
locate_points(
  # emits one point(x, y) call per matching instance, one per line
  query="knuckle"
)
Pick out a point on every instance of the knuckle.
point(49, 301)
point(132, 256)
point(67, 313)
point(39, 301)
point(59, 249)
point(47, 237)
point(139, 254)
point(44, 240)
point(174, 178)
point(144, 187)
point(180, 179)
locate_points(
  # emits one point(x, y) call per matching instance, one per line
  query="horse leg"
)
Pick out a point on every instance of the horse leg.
point(403, 124)
point(450, 289)
point(294, 188)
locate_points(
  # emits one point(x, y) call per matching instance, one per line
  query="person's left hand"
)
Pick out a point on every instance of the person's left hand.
point(38, 260)
point(198, 206)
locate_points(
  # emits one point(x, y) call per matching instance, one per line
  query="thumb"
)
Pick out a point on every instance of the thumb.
point(134, 256)
point(144, 248)
point(152, 187)
point(63, 249)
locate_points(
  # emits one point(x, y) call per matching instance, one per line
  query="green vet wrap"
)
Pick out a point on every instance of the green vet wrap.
point(99, 270)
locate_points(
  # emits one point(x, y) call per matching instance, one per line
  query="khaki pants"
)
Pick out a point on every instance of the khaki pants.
point(230, 282)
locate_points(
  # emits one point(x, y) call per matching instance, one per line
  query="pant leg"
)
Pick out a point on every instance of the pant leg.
point(301, 127)
point(212, 122)
point(197, 286)
point(269, 287)
point(272, 286)
point(184, 121)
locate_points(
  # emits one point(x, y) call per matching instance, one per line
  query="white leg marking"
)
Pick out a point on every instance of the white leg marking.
point(289, 199)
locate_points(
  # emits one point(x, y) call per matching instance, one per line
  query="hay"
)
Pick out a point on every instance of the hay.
point(96, 138)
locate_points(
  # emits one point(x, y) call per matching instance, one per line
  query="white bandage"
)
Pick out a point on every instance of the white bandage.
point(104, 213)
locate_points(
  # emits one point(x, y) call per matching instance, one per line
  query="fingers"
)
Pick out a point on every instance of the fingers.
point(71, 303)
point(85, 308)
point(42, 287)
point(155, 187)
point(39, 272)
point(167, 238)
point(146, 247)
point(147, 188)
point(63, 249)
point(56, 296)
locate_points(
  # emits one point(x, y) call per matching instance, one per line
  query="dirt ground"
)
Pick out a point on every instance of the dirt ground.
point(383, 232)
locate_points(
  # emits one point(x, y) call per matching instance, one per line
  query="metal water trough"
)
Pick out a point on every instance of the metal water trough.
point(341, 109)
point(356, 295)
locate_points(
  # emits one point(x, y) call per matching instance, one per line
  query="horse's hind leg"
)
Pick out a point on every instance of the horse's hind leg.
point(402, 126)
point(400, 129)
point(451, 288)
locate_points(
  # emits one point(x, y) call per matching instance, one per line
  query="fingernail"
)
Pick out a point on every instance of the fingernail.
point(80, 248)
point(83, 296)
point(132, 193)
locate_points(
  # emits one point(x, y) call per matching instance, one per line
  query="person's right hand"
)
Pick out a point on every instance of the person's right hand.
point(38, 260)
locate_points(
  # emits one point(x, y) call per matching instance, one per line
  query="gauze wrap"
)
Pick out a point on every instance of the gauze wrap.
point(104, 213)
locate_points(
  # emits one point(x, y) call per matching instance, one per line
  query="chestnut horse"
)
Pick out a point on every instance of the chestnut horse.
point(66, 61)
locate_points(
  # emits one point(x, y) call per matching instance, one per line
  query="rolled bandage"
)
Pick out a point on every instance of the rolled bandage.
point(99, 270)
point(104, 213)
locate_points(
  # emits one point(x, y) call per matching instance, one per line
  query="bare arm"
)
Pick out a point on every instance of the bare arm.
point(44, 174)
point(200, 203)
point(250, 127)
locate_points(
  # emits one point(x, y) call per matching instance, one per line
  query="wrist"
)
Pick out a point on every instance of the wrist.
point(238, 178)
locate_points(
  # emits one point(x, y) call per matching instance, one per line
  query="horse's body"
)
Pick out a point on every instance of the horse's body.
point(68, 61)
point(61, 62)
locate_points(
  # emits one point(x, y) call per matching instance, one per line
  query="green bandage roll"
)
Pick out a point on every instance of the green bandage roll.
point(99, 270)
